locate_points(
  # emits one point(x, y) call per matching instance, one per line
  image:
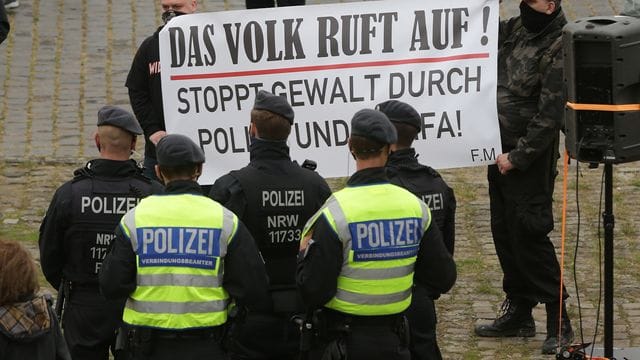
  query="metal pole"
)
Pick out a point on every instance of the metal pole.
point(609, 222)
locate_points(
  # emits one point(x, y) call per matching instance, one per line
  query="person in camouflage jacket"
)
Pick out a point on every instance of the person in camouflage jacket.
point(530, 111)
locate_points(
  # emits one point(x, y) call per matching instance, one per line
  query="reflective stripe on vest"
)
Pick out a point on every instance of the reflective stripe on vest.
point(376, 281)
point(179, 261)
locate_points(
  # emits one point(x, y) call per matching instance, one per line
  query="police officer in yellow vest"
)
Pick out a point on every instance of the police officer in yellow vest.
point(181, 258)
point(363, 251)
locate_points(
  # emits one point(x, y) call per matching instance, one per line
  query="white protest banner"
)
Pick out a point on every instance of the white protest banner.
point(330, 61)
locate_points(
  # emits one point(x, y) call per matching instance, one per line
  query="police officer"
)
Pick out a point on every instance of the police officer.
point(143, 82)
point(404, 170)
point(274, 197)
point(362, 252)
point(78, 228)
point(530, 111)
point(181, 258)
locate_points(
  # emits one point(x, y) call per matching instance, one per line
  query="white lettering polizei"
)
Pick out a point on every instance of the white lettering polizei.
point(387, 233)
point(282, 198)
point(118, 205)
point(196, 241)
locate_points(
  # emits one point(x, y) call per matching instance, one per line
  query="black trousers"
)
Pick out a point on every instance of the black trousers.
point(360, 339)
point(256, 4)
point(261, 336)
point(521, 219)
point(188, 345)
point(89, 323)
point(422, 326)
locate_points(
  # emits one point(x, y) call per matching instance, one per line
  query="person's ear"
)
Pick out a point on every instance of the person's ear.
point(551, 7)
point(159, 173)
point(351, 149)
point(198, 171)
point(133, 143)
point(96, 140)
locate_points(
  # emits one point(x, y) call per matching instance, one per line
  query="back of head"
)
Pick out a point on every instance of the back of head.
point(272, 116)
point(117, 130)
point(179, 157)
point(115, 140)
point(371, 131)
point(270, 126)
point(18, 275)
point(405, 118)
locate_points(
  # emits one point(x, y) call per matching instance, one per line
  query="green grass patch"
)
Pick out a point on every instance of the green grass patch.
point(472, 354)
point(485, 287)
point(466, 192)
point(628, 229)
point(19, 232)
point(470, 266)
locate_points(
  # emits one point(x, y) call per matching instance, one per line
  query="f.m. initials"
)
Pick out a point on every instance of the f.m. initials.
point(483, 154)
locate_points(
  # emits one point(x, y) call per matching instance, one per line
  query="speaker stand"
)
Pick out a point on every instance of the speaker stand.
point(609, 223)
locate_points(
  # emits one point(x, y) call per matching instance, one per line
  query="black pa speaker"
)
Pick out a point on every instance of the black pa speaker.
point(602, 78)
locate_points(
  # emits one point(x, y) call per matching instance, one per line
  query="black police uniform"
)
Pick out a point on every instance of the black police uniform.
point(145, 95)
point(74, 237)
point(274, 197)
point(318, 272)
point(403, 169)
point(243, 279)
point(426, 183)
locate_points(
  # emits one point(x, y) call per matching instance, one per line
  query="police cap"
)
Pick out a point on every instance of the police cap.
point(176, 150)
point(400, 112)
point(115, 116)
point(374, 125)
point(274, 103)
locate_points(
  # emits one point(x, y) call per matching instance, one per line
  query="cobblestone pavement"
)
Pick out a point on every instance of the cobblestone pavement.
point(66, 58)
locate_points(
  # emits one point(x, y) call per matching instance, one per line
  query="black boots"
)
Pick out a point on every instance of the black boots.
point(551, 344)
point(514, 320)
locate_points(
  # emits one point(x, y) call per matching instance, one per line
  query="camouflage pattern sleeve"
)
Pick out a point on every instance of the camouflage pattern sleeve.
point(544, 127)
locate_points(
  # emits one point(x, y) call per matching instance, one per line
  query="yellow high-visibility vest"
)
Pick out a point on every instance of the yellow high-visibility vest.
point(380, 227)
point(180, 242)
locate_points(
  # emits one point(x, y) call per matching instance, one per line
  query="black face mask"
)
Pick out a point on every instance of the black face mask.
point(535, 21)
point(170, 14)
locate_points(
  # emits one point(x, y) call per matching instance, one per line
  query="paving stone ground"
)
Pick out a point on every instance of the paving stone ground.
point(66, 58)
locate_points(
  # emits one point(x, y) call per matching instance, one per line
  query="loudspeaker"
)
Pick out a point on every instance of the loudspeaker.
point(602, 78)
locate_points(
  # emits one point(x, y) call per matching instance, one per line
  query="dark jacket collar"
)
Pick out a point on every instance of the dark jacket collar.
point(183, 187)
point(112, 168)
point(261, 149)
point(370, 176)
point(404, 158)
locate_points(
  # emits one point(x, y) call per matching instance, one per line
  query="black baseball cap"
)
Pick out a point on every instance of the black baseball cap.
point(176, 150)
point(118, 117)
point(274, 103)
point(374, 125)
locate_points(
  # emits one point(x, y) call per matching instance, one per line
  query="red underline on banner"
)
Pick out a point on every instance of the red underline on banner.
point(329, 67)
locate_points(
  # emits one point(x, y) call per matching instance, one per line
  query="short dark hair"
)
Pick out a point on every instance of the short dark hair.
point(406, 133)
point(364, 148)
point(186, 170)
point(270, 126)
